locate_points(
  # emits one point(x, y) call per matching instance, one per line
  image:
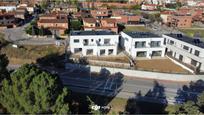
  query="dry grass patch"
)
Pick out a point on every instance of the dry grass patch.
point(118, 105)
point(136, 28)
point(160, 65)
point(120, 59)
point(29, 53)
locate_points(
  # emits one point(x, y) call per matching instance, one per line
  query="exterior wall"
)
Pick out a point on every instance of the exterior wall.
point(129, 45)
point(180, 21)
point(188, 55)
point(55, 25)
point(95, 44)
point(164, 17)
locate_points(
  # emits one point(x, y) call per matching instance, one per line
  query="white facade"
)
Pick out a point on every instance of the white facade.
point(189, 53)
point(94, 42)
point(8, 8)
point(144, 45)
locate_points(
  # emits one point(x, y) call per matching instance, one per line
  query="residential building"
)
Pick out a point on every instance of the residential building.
point(65, 8)
point(21, 13)
point(100, 13)
point(8, 6)
point(142, 44)
point(100, 24)
point(149, 7)
point(97, 43)
point(57, 23)
point(165, 14)
point(179, 21)
point(127, 19)
point(7, 20)
point(28, 7)
point(89, 23)
point(186, 50)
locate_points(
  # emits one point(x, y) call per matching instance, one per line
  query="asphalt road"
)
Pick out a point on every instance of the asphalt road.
point(125, 87)
point(121, 86)
point(18, 36)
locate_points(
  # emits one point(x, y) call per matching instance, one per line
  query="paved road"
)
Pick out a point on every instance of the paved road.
point(124, 86)
point(18, 36)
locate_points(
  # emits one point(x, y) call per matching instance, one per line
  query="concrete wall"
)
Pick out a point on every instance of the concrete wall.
point(140, 74)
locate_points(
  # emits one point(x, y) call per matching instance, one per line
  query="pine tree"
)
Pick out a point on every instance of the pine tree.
point(31, 90)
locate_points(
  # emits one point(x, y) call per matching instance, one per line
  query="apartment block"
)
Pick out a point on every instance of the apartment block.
point(142, 44)
point(94, 42)
point(186, 50)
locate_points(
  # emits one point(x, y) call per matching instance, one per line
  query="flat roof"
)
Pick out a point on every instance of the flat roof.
point(190, 40)
point(84, 33)
point(137, 34)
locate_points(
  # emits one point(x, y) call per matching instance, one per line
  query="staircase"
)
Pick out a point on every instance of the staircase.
point(131, 59)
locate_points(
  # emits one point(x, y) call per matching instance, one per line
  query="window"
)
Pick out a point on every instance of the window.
point(185, 47)
point(193, 62)
point(191, 50)
point(99, 40)
point(92, 40)
point(197, 52)
point(76, 40)
point(155, 43)
point(106, 41)
point(171, 42)
point(140, 44)
point(141, 54)
point(180, 57)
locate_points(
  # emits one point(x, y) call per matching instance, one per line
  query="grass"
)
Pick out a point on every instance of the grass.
point(136, 28)
point(191, 32)
point(118, 105)
point(29, 53)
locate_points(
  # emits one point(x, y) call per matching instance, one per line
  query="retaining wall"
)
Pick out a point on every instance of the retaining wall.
point(138, 73)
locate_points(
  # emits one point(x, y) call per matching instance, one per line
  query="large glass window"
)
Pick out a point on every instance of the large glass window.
point(106, 41)
point(140, 44)
point(76, 40)
point(155, 43)
point(141, 54)
point(185, 47)
point(171, 42)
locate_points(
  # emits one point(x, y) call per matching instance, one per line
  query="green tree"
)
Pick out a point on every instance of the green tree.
point(31, 90)
point(75, 25)
point(3, 67)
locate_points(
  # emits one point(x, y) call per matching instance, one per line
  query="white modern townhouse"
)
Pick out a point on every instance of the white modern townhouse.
point(94, 42)
point(142, 44)
point(186, 50)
